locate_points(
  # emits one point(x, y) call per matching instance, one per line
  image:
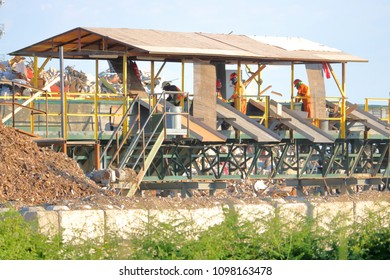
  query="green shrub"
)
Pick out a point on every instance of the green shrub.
point(233, 239)
point(19, 240)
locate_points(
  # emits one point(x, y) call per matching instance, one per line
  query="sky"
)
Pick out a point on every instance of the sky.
point(360, 28)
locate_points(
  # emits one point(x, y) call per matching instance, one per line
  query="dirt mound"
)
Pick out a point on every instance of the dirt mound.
point(30, 175)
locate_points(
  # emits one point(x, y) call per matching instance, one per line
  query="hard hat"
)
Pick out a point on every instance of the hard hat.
point(165, 84)
point(297, 81)
point(219, 84)
point(233, 75)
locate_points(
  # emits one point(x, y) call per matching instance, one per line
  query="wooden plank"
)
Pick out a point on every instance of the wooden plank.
point(203, 132)
point(292, 120)
point(245, 124)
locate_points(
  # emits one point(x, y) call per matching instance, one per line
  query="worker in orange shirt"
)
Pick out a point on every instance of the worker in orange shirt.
point(304, 96)
point(238, 94)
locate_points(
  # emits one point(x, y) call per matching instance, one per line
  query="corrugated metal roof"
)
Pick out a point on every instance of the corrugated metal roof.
point(83, 42)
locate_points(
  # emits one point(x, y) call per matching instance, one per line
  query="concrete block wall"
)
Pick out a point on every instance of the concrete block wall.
point(74, 225)
point(81, 225)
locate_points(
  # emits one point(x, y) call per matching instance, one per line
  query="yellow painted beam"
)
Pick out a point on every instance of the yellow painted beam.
point(35, 84)
point(125, 124)
point(292, 86)
point(43, 65)
point(182, 85)
point(239, 83)
point(36, 72)
point(159, 70)
point(152, 82)
point(341, 87)
point(253, 76)
point(95, 100)
point(266, 111)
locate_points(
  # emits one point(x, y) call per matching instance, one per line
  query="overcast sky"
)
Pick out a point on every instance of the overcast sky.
point(361, 28)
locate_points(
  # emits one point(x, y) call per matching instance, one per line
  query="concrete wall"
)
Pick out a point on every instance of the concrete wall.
point(74, 225)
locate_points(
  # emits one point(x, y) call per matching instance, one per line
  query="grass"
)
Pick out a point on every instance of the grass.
point(233, 239)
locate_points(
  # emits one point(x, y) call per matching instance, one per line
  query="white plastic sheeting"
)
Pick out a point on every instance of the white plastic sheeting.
point(294, 44)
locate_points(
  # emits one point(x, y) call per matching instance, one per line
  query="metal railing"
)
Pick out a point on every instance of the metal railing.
point(119, 129)
point(28, 104)
point(140, 137)
point(51, 100)
point(264, 119)
point(380, 100)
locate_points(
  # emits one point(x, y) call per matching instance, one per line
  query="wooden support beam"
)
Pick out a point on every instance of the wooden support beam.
point(249, 80)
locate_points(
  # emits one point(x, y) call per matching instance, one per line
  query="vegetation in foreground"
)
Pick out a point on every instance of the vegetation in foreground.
point(233, 239)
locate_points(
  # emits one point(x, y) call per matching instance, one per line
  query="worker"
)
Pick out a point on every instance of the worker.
point(304, 96)
point(175, 99)
point(239, 93)
point(224, 124)
point(218, 90)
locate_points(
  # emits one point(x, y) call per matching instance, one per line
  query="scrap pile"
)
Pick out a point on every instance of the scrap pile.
point(19, 71)
point(30, 175)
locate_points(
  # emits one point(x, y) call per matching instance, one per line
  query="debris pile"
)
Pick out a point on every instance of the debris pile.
point(30, 175)
point(114, 178)
point(19, 71)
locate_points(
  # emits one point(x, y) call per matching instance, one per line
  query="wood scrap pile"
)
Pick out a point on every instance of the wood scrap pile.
point(30, 175)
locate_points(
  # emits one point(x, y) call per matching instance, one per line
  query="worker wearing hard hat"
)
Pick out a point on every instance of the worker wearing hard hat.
point(239, 95)
point(304, 96)
point(218, 90)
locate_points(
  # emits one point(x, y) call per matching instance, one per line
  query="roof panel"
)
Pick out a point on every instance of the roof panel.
point(80, 41)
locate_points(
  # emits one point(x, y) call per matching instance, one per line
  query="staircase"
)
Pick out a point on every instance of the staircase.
point(138, 147)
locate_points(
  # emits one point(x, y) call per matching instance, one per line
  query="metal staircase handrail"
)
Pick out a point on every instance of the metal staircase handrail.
point(141, 133)
point(124, 139)
point(119, 127)
point(148, 142)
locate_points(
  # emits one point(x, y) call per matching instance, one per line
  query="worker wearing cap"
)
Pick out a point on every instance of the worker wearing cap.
point(238, 94)
point(304, 96)
point(175, 99)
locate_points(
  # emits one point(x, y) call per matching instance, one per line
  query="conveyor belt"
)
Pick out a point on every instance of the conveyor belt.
point(371, 121)
point(245, 124)
point(301, 125)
